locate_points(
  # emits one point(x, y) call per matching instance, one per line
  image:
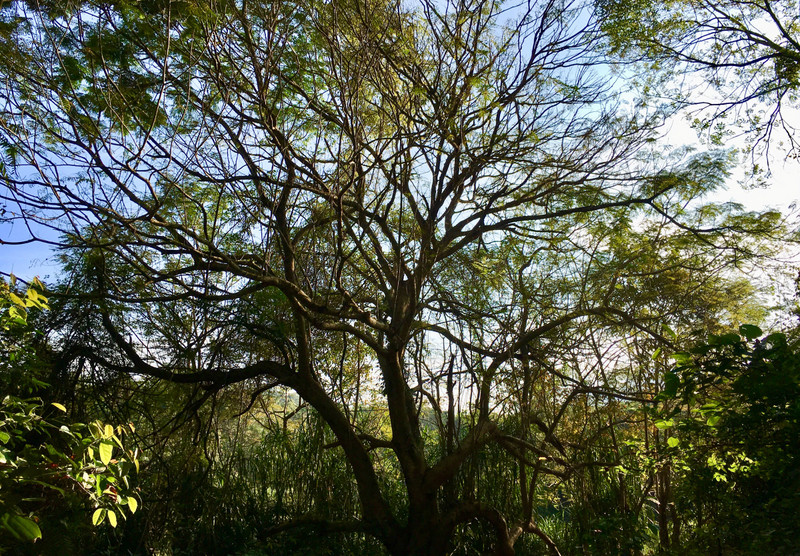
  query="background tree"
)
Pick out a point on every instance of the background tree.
point(736, 62)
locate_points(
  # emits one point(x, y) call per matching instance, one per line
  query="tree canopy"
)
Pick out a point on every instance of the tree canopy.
point(735, 62)
point(431, 248)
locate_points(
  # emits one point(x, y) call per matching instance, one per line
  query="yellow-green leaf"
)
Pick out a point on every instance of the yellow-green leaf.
point(96, 429)
point(59, 406)
point(673, 442)
point(98, 516)
point(15, 299)
point(112, 518)
point(133, 504)
point(106, 449)
point(116, 439)
point(664, 424)
point(17, 313)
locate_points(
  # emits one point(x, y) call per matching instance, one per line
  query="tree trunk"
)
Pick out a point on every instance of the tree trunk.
point(664, 496)
point(676, 526)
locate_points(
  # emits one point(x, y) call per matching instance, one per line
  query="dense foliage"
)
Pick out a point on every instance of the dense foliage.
point(50, 468)
point(738, 424)
point(379, 277)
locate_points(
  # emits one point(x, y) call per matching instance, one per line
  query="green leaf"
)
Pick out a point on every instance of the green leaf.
point(133, 504)
point(750, 331)
point(23, 528)
point(98, 516)
point(656, 353)
point(106, 450)
point(662, 424)
point(713, 420)
point(673, 442)
point(59, 406)
point(4, 437)
point(682, 358)
point(724, 339)
point(671, 383)
point(112, 518)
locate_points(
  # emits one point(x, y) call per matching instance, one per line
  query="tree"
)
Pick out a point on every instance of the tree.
point(263, 193)
point(746, 57)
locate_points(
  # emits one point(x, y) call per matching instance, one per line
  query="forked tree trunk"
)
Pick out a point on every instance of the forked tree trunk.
point(429, 533)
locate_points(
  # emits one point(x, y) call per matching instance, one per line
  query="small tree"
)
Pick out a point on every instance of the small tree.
point(735, 442)
point(41, 454)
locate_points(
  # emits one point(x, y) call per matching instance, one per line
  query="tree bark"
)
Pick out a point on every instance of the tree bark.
point(664, 498)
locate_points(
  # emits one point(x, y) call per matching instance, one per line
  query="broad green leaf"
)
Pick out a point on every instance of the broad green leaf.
point(671, 383)
point(672, 442)
point(112, 518)
point(713, 420)
point(59, 406)
point(724, 339)
point(682, 358)
point(4, 437)
point(98, 516)
point(23, 528)
point(750, 331)
point(776, 339)
point(106, 450)
point(133, 504)
point(664, 424)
